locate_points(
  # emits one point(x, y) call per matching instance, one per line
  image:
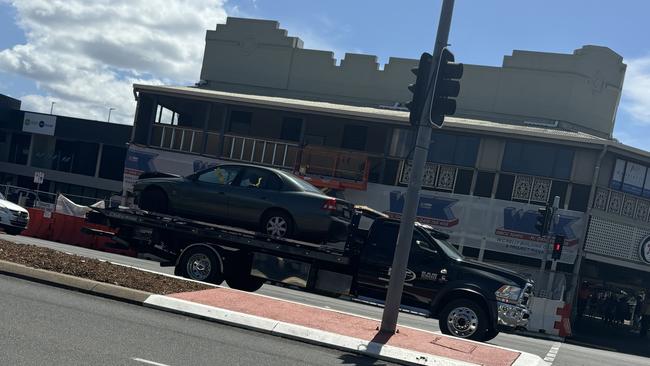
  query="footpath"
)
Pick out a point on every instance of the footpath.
point(297, 321)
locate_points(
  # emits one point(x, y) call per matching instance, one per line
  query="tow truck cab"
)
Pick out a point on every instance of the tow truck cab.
point(471, 299)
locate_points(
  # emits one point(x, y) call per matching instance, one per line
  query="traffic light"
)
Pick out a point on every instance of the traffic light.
point(543, 223)
point(419, 88)
point(558, 244)
point(447, 87)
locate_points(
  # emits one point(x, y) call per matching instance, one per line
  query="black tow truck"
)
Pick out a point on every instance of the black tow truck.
point(471, 299)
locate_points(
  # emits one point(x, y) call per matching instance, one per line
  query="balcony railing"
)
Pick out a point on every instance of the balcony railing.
point(323, 167)
point(177, 138)
point(261, 151)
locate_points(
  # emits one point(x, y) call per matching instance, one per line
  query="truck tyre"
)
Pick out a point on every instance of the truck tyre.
point(238, 273)
point(154, 200)
point(491, 334)
point(464, 318)
point(201, 264)
point(13, 231)
point(245, 283)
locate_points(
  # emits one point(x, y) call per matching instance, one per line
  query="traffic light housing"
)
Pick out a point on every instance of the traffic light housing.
point(447, 87)
point(543, 222)
point(419, 88)
point(558, 244)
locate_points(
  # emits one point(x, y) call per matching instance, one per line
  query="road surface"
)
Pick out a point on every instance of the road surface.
point(561, 354)
point(45, 325)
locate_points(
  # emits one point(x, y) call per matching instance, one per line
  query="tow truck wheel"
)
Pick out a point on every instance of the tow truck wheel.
point(238, 273)
point(200, 264)
point(491, 334)
point(464, 318)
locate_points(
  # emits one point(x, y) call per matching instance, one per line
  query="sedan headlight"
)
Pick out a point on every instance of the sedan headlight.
point(507, 293)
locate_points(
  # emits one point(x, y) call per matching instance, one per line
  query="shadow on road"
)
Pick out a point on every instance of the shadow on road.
point(352, 359)
point(593, 332)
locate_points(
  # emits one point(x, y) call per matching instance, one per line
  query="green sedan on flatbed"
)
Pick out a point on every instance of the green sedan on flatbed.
point(268, 200)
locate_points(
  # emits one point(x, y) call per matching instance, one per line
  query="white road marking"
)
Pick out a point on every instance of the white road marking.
point(552, 353)
point(148, 362)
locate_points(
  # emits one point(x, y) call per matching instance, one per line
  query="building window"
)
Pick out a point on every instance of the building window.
point(19, 148)
point(504, 188)
point(75, 157)
point(559, 188)
point(579, 197)
point(354, 137)
point(537, 159)
point(111, 165)
point(463, 181)
point(453, 149)
point(484, 184)
point(391, 169)
point(291, 129)
point(631, 178)
point(240, 122)
point(42, 151)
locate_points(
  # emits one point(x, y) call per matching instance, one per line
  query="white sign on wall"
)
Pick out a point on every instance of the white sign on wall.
point(39, 177)
point(43, 124)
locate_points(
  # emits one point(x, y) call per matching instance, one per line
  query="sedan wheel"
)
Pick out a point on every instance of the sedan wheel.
point(277, 226)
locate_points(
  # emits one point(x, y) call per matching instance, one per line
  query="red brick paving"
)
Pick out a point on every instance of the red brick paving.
point(350, 325)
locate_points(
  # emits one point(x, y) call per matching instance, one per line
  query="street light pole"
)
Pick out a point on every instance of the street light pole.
point(421, 150)
point(109, 114)
point(52, 107)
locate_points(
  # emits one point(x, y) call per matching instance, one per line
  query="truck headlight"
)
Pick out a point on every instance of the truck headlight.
point(507, 293)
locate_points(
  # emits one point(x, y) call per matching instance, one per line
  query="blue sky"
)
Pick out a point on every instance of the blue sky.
point(482, 33)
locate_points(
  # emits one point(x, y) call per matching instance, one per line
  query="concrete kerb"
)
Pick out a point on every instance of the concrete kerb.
point(304, 334)
point(307, 335)
point(74, 283)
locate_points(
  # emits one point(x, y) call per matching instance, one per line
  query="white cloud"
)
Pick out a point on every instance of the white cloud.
point(636, 90)
point(86, 55)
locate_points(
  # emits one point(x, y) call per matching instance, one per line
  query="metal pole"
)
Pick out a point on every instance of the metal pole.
point(52, 107)
point(555, 218)
point(421, 149)
point(109, 114)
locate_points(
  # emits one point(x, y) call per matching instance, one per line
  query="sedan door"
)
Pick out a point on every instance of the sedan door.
point(205, 195)
point(254, 191)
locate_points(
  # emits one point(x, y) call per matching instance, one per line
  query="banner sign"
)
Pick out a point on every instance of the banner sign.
point(43, 124)
point(498, 225)
point(140, 160)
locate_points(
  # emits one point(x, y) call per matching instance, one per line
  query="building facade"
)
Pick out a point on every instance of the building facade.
point(83, 159)
point(536, 128)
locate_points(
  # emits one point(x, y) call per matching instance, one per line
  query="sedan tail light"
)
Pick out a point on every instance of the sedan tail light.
point(330, 204)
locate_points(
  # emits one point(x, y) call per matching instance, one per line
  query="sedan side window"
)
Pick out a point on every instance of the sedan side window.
point(260, 178)
point(223, 175)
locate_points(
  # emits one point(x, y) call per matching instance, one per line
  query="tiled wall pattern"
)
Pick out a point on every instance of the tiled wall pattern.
point(615, 239)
